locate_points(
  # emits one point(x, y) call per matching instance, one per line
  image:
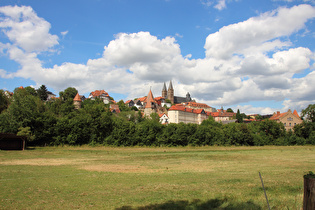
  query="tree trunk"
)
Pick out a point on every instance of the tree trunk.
point(309, 194)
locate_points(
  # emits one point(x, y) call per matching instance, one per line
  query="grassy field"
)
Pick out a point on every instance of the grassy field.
point(154, 178)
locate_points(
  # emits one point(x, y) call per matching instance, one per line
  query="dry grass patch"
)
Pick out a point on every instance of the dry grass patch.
point(44, 162)
point(119, 168)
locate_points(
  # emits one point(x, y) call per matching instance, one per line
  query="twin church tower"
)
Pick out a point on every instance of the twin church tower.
point(169, 94)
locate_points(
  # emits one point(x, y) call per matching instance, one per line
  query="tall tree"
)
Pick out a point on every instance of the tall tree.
point(42, 92)
point(309, 113)
point(239, 116)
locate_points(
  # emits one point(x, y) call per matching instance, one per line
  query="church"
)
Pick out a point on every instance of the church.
point(169, 94)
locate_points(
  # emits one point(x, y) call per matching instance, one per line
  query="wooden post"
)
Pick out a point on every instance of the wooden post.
point(309, 193)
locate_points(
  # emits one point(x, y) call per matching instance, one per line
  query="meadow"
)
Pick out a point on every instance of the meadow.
point(154, 178)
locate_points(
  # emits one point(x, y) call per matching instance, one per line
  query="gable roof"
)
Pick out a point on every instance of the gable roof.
point(278, 115)
point(97, 93)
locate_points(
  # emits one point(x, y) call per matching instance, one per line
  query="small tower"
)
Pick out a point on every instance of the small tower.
point(150, 105)
point(77, 101)
point(164, 91)
point(170, 93)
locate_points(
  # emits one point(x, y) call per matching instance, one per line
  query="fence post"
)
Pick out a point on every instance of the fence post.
point(309, 192)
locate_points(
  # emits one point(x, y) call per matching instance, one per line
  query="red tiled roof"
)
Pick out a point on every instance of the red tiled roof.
point(278, 115)
point(159, 98)
point(295, 113)
point(97, 93)
point(179, 107)
point(143, 99)
point(127, 102)
point(195, 104)
point(160, 115)
point(77, 97)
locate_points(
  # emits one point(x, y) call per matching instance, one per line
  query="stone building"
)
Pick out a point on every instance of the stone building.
point(77, 101)
point(288, 119)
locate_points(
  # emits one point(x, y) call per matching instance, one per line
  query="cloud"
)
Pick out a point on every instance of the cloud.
point(253, 60)
point(64, 33)
point(26, 30)
point(237, 38)
point(220, 5)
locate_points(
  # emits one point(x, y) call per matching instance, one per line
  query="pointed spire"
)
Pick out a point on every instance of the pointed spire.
point(77, 97)
point(150, 100)
point(170, 87)
point(164, 87)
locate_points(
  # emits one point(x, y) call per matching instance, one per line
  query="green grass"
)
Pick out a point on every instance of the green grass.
point(154, 178)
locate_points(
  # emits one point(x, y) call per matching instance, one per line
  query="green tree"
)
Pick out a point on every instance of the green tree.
point(230, 110)
point(4, 101)
point(122, 106)
point(30, 90)
point(309, 113)
point(68, 94)
point(42, 92)
point(239, 116)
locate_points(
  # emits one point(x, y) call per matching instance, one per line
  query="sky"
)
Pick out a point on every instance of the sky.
point(255, 56)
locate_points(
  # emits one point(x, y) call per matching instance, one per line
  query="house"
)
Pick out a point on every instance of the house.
point(102, 94)
point(50, 96)
point(130, 103)
point(223, 116)
point(114, 108)
point(179, 113)
point(288, 119)
point(163, 118)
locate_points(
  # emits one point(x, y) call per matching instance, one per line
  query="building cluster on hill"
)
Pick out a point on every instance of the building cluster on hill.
point(176, 109)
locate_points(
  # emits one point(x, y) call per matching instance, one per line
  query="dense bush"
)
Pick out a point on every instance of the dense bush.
point(58, 123)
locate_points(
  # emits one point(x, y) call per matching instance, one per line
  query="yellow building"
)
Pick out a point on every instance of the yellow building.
point(179, 113)
point(288, 119)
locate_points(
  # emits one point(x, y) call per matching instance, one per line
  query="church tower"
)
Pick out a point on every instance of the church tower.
point(170, 92)
point(164, 91)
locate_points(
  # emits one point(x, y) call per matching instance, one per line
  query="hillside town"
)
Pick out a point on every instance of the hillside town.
point(177, 109)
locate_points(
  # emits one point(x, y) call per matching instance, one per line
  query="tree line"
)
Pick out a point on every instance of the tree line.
point(57, 122)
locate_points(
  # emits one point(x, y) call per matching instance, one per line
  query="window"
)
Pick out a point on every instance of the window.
point(290, 119)
point(285, 124)
point(289, 124)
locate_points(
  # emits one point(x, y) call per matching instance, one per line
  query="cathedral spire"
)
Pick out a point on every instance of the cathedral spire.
point(170, 87)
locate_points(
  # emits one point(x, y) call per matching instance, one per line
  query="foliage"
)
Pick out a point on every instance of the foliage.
point(42, 92)
point(230, 110)
point(57, 122)
point(309, 113)
point(239, 117)
point(68, 94)
point(4, 101)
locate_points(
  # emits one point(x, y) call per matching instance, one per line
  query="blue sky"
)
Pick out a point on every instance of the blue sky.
point(256, 56)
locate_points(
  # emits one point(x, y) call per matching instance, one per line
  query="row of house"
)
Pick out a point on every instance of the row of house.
point(175, 109)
